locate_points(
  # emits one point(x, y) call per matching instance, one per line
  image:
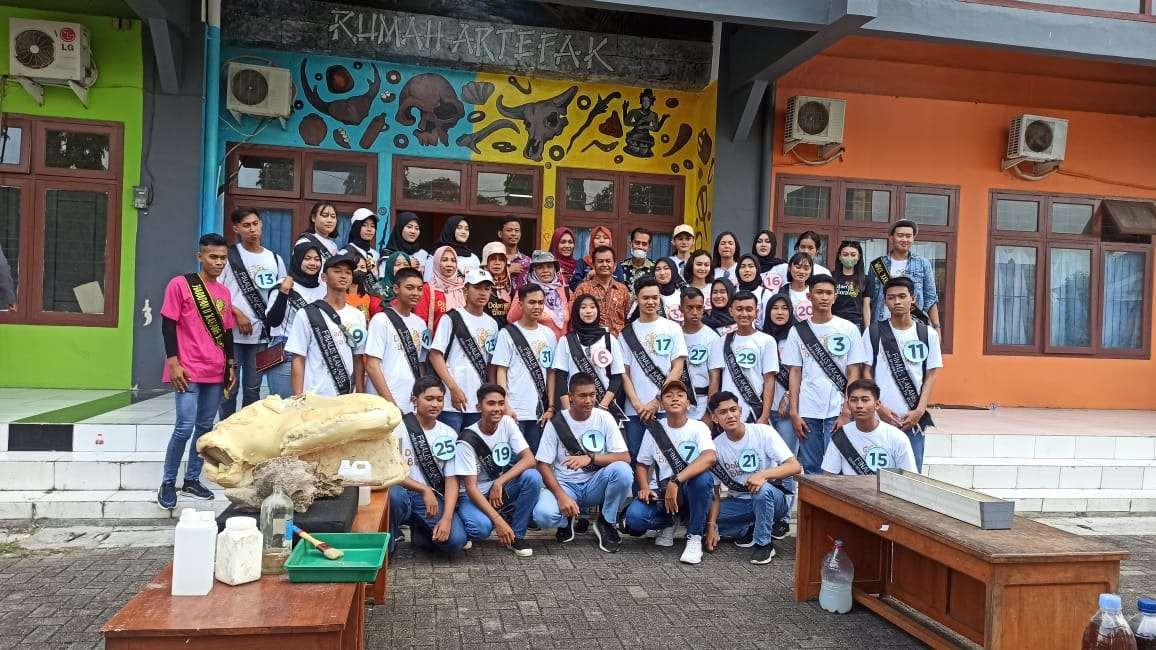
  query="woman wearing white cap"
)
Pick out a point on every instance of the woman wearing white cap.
point(494, 260)
point(363, 237)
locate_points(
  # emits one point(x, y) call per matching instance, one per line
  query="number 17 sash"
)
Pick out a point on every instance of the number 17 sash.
point(642, 357)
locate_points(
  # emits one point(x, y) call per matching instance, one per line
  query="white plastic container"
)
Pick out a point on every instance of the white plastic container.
point(194, 550)
point(239, 551)
point(357, 470)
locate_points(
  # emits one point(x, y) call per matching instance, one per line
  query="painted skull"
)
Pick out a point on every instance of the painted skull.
point(438, 106)
point(544, 120)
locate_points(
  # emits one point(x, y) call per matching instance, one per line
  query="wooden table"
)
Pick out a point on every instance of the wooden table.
point(1032, 586)
point(269, 614)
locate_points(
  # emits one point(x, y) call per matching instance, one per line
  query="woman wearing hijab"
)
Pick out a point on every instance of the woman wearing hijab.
point(765, 246)
point(851, 297)
point(750, 280)
point(300, 288)
point(726, 254)
point(699, 270)
point(445, 291)
point(494, 259)
point(597, 349)
point(544, 273)
point(403, 238)
point(719, 318)
point(669, 282)
point(322, 229)
point(363, 237)
point(455, 234)
point(562, 246)
point(599, 236)
point(390, 265)
point(778, 323)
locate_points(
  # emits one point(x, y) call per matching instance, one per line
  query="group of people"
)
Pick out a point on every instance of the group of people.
point(539, 389)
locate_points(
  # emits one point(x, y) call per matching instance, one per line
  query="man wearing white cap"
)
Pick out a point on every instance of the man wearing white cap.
point(681, 241)
point(461, 349)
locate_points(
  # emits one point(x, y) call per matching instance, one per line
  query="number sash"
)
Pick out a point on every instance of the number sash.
point(882, 334)
point(821, 356)
point(566, 437)
point(422, 453)
point(204, 303)
point(848, 452)
point(329, 353)
point(642, 357)
point(245, 284)
point(406, 340)
point(879, 268)
point(469, 345)
point(666, 446)
point(322, 249)
point(723, 475)
point(530, 360)
point(482, 451)
point(746, 390)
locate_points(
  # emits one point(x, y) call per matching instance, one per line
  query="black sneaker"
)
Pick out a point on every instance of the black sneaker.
point(762, 554)
point(581, 525)
point(521, 548)
point(607, 533)
point(780, 529)
point(167, 495)
point(747, 540)
point(565, 534)
point(195, 490)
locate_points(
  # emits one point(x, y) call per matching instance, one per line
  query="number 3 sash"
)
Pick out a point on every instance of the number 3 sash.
point(566, 437)
point(204, 303)
point(482, 451)
point(879, 268)
point(883, 335)
point(821, 356)
point(642, 357)
point(746, 390)
point(422, 453)
point(329, 353)
point(848, 452)
point(533, 367)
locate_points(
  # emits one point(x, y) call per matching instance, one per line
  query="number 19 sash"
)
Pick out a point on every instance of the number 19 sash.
point(482, 451)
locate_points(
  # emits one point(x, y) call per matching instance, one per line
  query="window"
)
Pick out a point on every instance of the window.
point(863, 211)
point(59, 221)
point(1119, 9)
point(620, 202)
point(1064, 280)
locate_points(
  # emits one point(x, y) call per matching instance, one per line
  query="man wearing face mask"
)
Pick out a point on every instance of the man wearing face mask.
point(637, 265)
point(900, 261)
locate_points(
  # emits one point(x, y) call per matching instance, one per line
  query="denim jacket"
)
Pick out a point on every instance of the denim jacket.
point(920, 271)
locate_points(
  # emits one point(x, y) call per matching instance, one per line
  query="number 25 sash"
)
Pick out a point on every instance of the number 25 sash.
point(422, 453)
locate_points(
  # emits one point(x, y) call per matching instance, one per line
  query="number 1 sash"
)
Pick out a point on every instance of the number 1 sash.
point(208, 312)
point(848, 452)
point(533, 367)
point(566, 437)
point(642, 358)
point(821, 356)
point(245, 284)
point(883, 336)
point(469, 345)
point(482, 451)
point(422, 453)
point(746, 390)
point(879, 268)
point(329, 353)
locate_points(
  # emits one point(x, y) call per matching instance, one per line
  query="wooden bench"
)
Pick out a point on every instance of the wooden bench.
point(1032, 586)
point(269, 614)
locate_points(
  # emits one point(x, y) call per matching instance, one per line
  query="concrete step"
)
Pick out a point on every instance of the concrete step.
point(1035, 473)
point(42, 470)
point(1077, 500)
point(1040, 446)
point(99, 437)
point(97, 504)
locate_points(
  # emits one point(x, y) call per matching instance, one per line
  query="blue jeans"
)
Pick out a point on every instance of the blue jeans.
point(280, 376)
point(813, 447)
point(518, 501)
point(916, 437)
point(635, 431)
point(694, 499)
point(408, 508)
point(532, 432)
point(762, 509)
point(196, 410)
point(609, 488)
point(786, 431)
point(458, 421)
point(248, 379)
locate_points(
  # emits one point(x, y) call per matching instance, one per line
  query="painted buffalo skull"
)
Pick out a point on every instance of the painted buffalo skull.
point(544, 120)
point(438, 106)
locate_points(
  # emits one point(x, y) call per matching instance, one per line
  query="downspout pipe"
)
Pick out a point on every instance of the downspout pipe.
point(212, 113)
point(767, 144)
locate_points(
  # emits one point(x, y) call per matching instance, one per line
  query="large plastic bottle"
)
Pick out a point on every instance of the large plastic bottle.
point(276, 515)
point(1144, 624)
point(1108, 630)
point(239, 551)
point(838, 573)
point(194, 550)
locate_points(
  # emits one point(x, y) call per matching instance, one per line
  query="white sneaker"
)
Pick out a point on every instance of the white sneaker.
point(665, 537)
point(693, 552)
point(469, 545)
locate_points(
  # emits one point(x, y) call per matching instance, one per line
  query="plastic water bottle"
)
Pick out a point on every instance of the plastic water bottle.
point(1144, 624)
point(838, 574)
point(276, 542)
point(357, 470)
point(194, 550)
point(1108, 630)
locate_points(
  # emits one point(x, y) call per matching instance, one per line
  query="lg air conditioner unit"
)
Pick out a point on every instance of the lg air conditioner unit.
point(45, 52)
point(1037, 138)
point(814, 120)
point(259, 90)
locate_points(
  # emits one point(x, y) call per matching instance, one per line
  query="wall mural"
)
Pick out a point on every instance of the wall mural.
point(353, 105)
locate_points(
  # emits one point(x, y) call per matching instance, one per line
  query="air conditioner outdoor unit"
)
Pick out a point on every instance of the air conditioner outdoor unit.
point(259, 90)
point(1037, 138)
point(44, 52)
point(814, 120)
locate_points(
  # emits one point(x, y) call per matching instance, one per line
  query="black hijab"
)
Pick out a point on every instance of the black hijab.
point(355, 238)
point(753, 285)
point(300, 277)
point(767, 262)
point(719, 317)
point(779, 331)
point(671, 287)
point(588, 333)
point(398, 243)
point(447, 237)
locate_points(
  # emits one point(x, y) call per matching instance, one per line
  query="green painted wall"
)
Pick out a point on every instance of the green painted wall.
point(85, 357)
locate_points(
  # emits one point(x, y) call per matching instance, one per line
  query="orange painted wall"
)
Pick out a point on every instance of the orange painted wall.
point(925, 140)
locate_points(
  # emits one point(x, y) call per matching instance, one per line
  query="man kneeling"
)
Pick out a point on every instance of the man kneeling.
point(496, 469)
point(683, 452)
point(867, 444)
point(583, 470)
point(753, 462)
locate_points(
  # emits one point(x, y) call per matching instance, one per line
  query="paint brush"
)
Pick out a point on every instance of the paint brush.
point(328, 551)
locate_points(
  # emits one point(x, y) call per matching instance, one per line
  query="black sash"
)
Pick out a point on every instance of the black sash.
point(406, 340)
point(245, 284)
point(482, 451)
point(642, 357)
point(469, 345)
point(690, 389)
point(881, 333)
point(753, 398)
point(329, 351)
point(847, 450)
point(721, 473)
point(783, 376)
point(421, 452)
point(322, 249)
point(583, 364)
point(879, 268)
point(666, 446)
point(537, 373)
point(566, 437)
point(821, 356)
point(205, 307)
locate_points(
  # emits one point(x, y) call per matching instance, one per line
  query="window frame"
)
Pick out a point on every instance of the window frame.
point(1144, 9)
point(402, 203)
point(1094, 298)
point(26, 138)
point(114, 131)
point(309, 163)
point(233, 162)
point(533, 211)
point(620, 220)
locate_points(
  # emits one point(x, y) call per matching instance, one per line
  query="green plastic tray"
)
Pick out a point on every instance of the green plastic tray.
point(364, 555)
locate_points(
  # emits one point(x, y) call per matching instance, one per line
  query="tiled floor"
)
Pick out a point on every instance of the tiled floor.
point(1044, 422)
point(19, 403)
point(158, 410)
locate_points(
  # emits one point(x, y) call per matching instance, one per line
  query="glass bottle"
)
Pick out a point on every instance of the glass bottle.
point(276, 517)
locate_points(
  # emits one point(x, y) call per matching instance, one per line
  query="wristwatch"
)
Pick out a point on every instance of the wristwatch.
point(674, 479)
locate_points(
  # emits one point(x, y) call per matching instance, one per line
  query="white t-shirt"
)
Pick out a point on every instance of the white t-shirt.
point(780, 390)
point(601, 357)
point(763, 296)
point(756, 354)
point(384, 343)
point(505, 444)
point(442, 441)
point(760, 448)
point(895, 268)
point(885, 447)
point(690, 440)
point(307, 294)
point(801, 304)
point(914, 352)
point(266, 270)
point(598, 434)
point(663, 341)
point(698, 348)
point(485, 331)
point(728, 273)
point(371, 256)
point(302, 342)
point(521, 391)
point(329, 244)
point(781, 271)
point(819, 398)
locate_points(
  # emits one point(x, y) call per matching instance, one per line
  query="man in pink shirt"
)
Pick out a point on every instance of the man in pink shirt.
point(197, 323)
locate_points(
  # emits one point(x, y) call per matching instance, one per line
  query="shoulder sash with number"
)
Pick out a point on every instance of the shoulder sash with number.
point(752, 397)
point(879, 268)
point(821, 356)
point(569, 441)
point(642, 357)
point(883, 335)
point(406, 340)
point(848, 452)
point(482, 451)
point(533, 366)
point(460, 332)
point(423, 454)
point(245, 283)
point(322, 249)
point(205, 307)
point(329, 352)
point(690, 394)
point(723, 475)
point(666, 446)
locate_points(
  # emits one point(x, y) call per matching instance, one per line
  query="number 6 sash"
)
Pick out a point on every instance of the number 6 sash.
point(821, 356)
point(642, 357)
point(422, 453)
point(482, 451)
point(533, 367)
point(582, 362)
point(746, 390)
point(328, 347)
